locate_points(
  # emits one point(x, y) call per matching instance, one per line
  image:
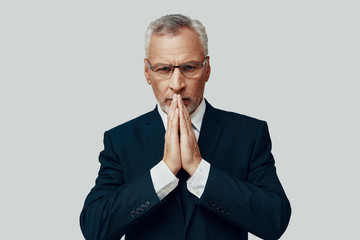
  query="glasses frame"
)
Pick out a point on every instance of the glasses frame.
point(179, 66)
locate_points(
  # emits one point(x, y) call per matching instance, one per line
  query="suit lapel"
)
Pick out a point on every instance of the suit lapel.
point(210, 132)
point(155, 132)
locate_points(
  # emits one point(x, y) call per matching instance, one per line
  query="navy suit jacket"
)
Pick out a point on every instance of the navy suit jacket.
point(242, 193)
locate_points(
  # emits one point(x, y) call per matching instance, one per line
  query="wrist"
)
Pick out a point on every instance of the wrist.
point(174, 168)
point(191, 168)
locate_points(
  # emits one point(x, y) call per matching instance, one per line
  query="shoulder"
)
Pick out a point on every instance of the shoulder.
point(133, 124)
point(235, 120)
point(243, 128)
point(238, 117)
point(243, 124)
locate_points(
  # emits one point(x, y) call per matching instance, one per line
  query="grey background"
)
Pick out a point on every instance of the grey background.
point(70, 70)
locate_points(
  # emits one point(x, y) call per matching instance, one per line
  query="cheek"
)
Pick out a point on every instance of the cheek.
point(159, 89)
point(198, 88)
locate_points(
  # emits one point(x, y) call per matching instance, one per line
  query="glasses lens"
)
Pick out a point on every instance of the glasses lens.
point(163, 71)
point(191, 69)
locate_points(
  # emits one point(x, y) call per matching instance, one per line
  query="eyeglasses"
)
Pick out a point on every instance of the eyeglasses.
point(189, 70)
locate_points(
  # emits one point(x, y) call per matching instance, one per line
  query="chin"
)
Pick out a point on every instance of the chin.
point(192, 107)
point(165, 108)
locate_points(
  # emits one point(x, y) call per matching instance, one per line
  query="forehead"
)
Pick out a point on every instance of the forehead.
point(184, 46)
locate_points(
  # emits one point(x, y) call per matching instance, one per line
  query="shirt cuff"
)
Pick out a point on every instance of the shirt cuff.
point(164, 181)
point(196, 183)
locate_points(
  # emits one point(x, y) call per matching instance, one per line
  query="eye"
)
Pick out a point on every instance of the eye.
point(190, 67)
point(163, 69)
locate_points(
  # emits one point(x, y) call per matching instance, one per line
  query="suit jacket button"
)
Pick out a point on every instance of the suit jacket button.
point(227, 212)
point(138, 211)
point(142, 207)
point(219, 207)
point(147, 204)
point(133, 213)
point(212, 203)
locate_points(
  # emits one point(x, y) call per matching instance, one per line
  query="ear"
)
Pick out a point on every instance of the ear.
point(208, 69)
point(147, 72)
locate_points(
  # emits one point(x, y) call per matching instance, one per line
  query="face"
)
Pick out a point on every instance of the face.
point(182, 48)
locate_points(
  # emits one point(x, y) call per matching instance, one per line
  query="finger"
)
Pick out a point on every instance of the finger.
point(171, 112)
point(172, 106)
point(175, 100)
point(184, 128)
point(180, 101)
point(183, 125)
point(186, 120)
point(175, 117)
point(175, 126)
point(186, 113)
point(181, 122)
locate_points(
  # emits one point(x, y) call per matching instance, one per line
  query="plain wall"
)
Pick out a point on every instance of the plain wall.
point(70, 70)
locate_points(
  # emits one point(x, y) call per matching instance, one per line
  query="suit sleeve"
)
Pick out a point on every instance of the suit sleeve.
point(113, 206)
point(258, 204)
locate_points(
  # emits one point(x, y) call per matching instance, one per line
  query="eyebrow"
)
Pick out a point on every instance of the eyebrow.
point(168, 64)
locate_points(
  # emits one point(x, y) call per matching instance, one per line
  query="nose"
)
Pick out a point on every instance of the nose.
point(177, 81)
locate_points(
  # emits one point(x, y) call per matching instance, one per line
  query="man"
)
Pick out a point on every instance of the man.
point(185, 170)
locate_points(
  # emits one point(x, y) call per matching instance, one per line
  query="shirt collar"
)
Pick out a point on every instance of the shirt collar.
point(196, 117)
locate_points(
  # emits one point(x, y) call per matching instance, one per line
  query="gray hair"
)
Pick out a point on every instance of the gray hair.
point(170, 24)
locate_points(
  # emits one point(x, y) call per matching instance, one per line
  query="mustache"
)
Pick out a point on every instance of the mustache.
point(182, 97)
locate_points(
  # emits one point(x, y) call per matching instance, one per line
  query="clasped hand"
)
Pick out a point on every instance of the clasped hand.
point(181, 149)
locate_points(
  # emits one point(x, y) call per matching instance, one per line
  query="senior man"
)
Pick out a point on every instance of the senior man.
point(185, 170)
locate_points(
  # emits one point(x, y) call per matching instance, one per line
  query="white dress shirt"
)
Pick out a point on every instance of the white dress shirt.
point(164, 180)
